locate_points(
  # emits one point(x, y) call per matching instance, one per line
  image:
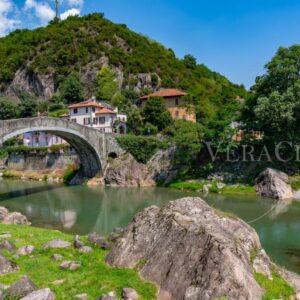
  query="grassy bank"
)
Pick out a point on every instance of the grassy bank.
point(213, 187)
point(94, 277)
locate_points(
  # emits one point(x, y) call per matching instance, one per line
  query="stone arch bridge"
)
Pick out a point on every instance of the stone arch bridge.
point(92, 146)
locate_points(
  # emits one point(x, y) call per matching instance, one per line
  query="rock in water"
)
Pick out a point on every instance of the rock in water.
point(192, 251)
point(7, 266)
point(43, 294)
point(273, 184)
point(21, 288)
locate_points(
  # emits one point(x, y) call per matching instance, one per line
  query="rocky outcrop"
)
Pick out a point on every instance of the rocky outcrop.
point(273, 184)
point(125, 171)
point(193, 251)
point(7, 266)
point(7, 217)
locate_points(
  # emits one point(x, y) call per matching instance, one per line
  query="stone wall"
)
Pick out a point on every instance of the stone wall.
point(37, 162)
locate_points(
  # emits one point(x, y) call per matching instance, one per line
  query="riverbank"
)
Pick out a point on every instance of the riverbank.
point(94, 277)
point(213, 187)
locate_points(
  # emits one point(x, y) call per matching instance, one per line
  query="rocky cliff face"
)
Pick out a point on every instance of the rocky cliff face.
point(195, 252)
point(125, 171)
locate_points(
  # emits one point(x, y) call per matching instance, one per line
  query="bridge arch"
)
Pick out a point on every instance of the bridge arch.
point(89, 143)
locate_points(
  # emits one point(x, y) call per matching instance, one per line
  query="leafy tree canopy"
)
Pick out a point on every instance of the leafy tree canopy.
point(107, 85)
point(8, 109)
point(71, 90)
point(155, 112)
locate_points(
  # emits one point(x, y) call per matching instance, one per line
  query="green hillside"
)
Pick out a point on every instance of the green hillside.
point(67, 46)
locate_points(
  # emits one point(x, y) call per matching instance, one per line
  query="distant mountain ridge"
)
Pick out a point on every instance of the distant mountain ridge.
point(37, 61)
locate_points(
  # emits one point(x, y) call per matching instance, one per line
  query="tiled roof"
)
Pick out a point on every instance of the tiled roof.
point(105, 111)
point(165, 94)
point(87, 103)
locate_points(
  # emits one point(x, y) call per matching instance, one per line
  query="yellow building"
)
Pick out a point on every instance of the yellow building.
point(174, 102)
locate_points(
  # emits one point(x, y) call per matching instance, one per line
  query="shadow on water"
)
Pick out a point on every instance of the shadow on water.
point(27, 192)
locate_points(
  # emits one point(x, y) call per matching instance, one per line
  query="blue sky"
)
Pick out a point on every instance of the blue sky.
point(233, 37)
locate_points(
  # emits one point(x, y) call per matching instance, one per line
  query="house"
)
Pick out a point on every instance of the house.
point(174, 102)
point(99, 116)
point(41, 139)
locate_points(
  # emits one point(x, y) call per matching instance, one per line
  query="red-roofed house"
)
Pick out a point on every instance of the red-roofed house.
point(102, 117)
point(174, 102)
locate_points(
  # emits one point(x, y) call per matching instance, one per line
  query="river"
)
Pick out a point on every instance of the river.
point(82, 210)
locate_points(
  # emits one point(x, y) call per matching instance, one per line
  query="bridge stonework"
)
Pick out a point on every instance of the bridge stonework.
point(92, 146)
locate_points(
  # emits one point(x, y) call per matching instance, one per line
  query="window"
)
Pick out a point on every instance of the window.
point(86, 109)
point(75, 111)
point(177, 101)
point(101, 120)
point(56, 139)
point(95, 121)
point(74, 120)
point(87, 121)
point(93, 109)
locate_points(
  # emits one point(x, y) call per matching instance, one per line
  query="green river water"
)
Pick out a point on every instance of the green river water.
point(82, 210)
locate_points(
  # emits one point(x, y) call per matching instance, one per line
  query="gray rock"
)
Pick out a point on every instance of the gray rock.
point(77, 243)
point(3, 287)
point(70, 265)
point(57, 244)
point(129, 294)
point(15, 218)
point(220, 185)
point(3, 213)
point(7, 266)
point(199, 247)
point(5, 236)
point(273, 184)
point(115, 234)
point(43, 294)
point(25, 250)
point(206, 188)
point(21, 288)
point(57, 257)
point(58, 282)
point(109, 296)
point(81, 296)
point(85, 249)
point(99, 241)
point(7, 245)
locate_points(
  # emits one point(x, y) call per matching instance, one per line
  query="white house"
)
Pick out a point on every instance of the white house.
point(41, 139)
point(100, 116)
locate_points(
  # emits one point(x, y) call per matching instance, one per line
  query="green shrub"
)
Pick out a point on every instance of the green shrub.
point(25, 149)
point(58, 148)
point(69, 174)
point(3, 153)
point(142, 148)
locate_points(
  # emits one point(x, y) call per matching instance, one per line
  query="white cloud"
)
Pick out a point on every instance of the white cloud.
point(70, 12)
point(6, 23)
point(42, 10)
point(75, 2)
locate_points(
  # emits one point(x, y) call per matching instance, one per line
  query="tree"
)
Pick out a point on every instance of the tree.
point(188, 139)
point(71, 89)
point(107, 85)
point(275, 106)
point(156, 113)
point(28, 105)
point(8, 109)
point(190, 61)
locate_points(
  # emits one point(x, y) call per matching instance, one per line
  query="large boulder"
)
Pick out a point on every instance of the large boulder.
point(272, 183)
point(125, 171)
point(193, 251)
